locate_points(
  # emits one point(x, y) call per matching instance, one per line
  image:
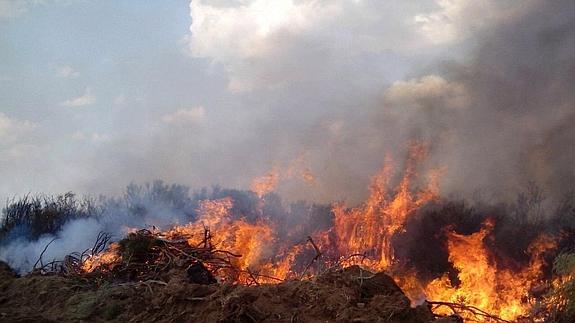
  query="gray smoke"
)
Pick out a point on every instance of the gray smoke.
point(516, 125)
point(495, 117)
point(153, 205)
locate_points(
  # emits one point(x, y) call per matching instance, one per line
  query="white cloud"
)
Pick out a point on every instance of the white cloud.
point(457, 19)
point(18, 152)
point(12, 130)
point(265, 43)
point(79, 135)
point(94, 137)
point(430, 89)
point(120, 99)
point(183, 116)
point(16, 8)
point(86, 99)
point(100, 137)
point(215, 29)
point(67, 72)
point(13, 8)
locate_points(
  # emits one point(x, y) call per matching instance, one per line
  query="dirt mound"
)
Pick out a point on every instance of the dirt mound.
point(348, 295)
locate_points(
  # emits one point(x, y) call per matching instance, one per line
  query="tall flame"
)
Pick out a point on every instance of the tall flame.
point(482, 283)
point(367, 230)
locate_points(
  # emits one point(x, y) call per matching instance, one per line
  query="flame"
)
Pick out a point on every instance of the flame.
point(105, 259)
point(362, 236)
point(250, 240)
point(266, 183)
point(482, 283)
point(295, 169)
point(369, 228)
point(366, 229)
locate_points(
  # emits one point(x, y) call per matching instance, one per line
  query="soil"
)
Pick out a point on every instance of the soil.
point(345, 295)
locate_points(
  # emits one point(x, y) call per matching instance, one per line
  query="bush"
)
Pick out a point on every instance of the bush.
point(31, 217)
point(560, 301)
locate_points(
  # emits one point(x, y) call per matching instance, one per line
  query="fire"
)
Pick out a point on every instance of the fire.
point(267, 183)
point(106, 258)
point(368, 229)
point(482, 283)
point(250, 240)
point(362, 236)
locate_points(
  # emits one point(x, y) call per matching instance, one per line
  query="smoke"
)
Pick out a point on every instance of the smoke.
point(495, 119)
point(343, 83)
point(153, 205)
point(78, 235)
point(512, 125)
point(30, 234)
point(319, 80)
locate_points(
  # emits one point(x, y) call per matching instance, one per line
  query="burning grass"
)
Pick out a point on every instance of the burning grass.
point(483, 263)
point(483, 293)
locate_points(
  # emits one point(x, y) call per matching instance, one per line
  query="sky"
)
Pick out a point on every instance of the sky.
point(95, 95)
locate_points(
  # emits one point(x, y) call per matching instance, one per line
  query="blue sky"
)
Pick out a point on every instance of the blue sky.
point(129, 57)
point(130, 50)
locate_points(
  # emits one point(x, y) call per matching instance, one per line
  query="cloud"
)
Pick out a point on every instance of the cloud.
point(67, 72)
point(250, 37)
point(13, 8)
point(94, 137)
point(457, 19)
point(496, 118)
point(16, 8)
point(418, 93)
point(320, 78)
point(18, 142)
point(120, 99)
point(185, 116)
point(86, 99)
point(11, 130)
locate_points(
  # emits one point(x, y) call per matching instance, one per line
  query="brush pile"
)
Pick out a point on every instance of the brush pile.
point(150, 258)
point(342, 295)
point(145, 255)
point(152, 276)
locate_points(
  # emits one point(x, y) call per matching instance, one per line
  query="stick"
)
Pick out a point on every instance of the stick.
point(43, 251)
point(317, 255)
point(472, 309)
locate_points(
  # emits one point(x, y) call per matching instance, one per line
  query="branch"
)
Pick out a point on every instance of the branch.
point(317, 255)
point(455, 307)
point(42, 254)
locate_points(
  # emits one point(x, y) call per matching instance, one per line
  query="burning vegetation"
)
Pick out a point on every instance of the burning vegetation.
point(477, 263)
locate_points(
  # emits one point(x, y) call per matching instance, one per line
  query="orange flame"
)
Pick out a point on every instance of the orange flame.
point(267, 183)
point(106, 258)
point(370, 227)
point(482, 283)
point(363, 234)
